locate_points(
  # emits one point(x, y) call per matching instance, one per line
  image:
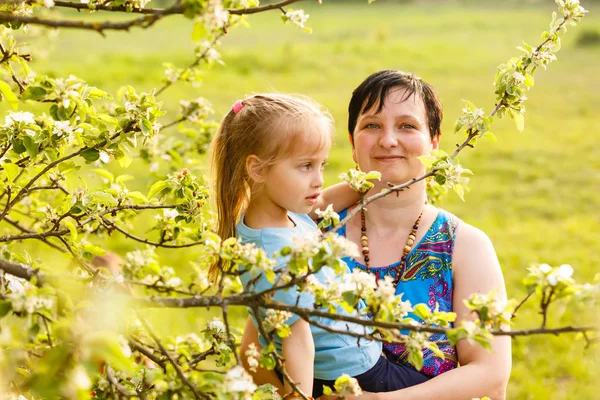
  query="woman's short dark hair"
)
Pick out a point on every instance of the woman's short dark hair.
point(373, 91)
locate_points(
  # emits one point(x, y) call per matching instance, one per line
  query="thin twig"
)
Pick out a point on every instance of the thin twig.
point(230, 340)
point(184, 379)
point(514, 313)
point(193, 64)
point(112, 225)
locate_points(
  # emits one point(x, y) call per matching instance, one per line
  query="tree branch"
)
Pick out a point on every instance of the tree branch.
point(26, 230)
point(143, 22)
point(148, 353)
point(151, 16)
point(178, 9)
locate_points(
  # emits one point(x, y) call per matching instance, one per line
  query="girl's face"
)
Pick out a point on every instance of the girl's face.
point(295, 183)
point(391, 141)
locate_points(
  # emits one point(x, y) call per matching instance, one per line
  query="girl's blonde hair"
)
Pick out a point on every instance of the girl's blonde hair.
point(270, 126)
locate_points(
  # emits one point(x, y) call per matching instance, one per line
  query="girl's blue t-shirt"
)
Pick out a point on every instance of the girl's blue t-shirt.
point(335, 354)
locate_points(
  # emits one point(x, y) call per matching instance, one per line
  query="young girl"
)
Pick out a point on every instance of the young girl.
point(269, 155)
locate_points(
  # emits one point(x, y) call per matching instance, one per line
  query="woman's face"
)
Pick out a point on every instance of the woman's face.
point(391, 141)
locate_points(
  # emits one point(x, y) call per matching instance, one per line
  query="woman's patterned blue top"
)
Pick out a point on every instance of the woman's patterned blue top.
point(427, 278)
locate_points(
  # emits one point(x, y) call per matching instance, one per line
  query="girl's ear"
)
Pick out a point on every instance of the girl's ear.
point(255, 168)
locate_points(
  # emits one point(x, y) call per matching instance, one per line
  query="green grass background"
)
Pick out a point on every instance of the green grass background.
point(536, 193)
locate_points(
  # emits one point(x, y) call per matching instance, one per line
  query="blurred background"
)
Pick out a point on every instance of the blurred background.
point(536, 193)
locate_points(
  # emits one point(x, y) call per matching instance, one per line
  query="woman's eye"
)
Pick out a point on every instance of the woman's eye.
point(371, 126)
point(407, 126)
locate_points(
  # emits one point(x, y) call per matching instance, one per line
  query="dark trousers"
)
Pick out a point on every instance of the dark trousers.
point(385, 376)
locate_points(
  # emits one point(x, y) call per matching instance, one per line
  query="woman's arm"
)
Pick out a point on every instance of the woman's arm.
point(481, 373)
point(298, 351)
point(340, 195)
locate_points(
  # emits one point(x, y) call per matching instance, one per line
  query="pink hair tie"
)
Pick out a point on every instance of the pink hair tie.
point(237, 106)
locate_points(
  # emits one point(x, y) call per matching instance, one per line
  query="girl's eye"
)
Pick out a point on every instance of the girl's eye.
point(325, 164)
point(407, 126)
point(305, 167)
point(371, 126)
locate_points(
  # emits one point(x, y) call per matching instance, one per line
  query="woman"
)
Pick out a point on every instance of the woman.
point(394, 117)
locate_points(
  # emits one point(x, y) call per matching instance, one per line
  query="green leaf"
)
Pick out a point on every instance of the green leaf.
point(422, 311)
point(34, 93)
point(31, 146)
point(460, 191)
point(124, 157)
point(95, 250)
point(427, 160)
point(18, 146)
point(137, 196)
point(415, 357)
point(68, 166)
point(528, 80)
point(5, 307)
point(199, 31)
point(71, 228)
point(519, 120)
point(157, 187)
point(124, 178)
point(146, 127)
point(91, 154)
point(12, 170)
point(104, 173)
point(9, 95)
point(108, 119)
point(97, 93)
point(351, 298)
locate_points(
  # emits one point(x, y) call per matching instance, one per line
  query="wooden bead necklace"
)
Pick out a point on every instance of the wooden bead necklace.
point(364, 241)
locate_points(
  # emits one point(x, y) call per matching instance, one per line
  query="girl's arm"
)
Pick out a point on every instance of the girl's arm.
point(261, 376)
point(340, 195)
point(481, 373)
point(298, 351)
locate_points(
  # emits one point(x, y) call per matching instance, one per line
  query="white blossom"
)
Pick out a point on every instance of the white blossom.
point(518, 77)
point(15, 284)
point(21, 116)
point(170, 213)
point(297, 17)
point(174, 282)
point(564, 273)
point(545, 268)
point(216, 327)
point(238, 381)
point(252, 355)
point(103, 384)
point(62, 127)
point(104, 156)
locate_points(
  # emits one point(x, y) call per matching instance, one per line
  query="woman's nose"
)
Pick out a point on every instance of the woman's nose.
point(388, 138)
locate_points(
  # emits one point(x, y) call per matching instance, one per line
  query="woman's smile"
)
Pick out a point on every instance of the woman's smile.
point(390, 158)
